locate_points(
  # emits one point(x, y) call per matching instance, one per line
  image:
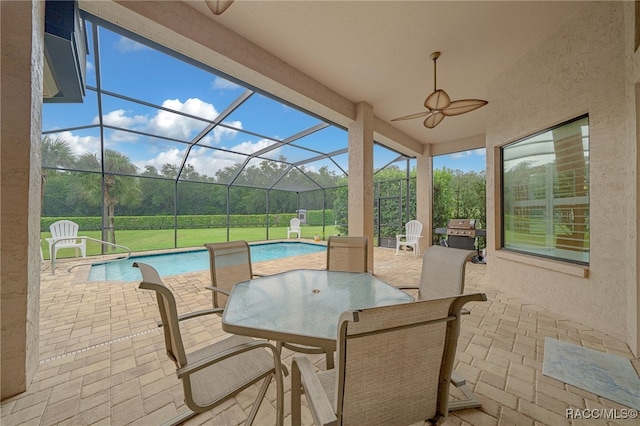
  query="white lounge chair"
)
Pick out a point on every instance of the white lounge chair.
point(294, 227)
point(411, 237)
point(64, 233)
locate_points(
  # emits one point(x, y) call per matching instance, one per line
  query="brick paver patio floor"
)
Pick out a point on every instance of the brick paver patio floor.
point(102, 357)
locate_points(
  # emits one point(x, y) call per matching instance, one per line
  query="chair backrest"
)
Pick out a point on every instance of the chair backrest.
point(294, 223)
point(443, 272)
point(395, 362)
point(63, 228)
point(230, 263)
point(168, 313)
point(413, 230)
point(347, 254)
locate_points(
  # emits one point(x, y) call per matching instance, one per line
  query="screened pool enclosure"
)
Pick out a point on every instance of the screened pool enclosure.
point(164, 143)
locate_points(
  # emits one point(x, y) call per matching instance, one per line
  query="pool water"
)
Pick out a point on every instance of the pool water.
point(192, 261)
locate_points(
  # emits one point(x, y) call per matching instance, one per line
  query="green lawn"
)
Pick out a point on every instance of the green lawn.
point(157, 239)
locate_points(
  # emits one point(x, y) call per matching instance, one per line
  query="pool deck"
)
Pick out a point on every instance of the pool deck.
point(102, 357)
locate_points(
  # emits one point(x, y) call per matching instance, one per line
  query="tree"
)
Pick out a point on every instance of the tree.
point(56, 153)
point(118, 189)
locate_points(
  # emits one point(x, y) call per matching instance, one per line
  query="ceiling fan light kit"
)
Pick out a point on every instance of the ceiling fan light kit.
point(439, 105)
point(218, 6)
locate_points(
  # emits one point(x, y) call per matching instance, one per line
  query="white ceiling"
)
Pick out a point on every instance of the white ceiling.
point(378, 51)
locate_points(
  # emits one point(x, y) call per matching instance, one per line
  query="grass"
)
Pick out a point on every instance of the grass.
point(158, 239)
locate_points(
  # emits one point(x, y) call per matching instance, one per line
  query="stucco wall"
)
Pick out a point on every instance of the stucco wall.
point(579, 69)
point(632, 83)
point(21, 81)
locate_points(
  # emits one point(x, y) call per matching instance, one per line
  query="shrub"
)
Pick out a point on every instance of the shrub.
point(94, 223)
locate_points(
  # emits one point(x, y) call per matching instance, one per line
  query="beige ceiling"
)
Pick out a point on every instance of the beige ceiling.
point(377, 51)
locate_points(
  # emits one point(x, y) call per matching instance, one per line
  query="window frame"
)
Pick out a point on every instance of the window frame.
point(503, 221)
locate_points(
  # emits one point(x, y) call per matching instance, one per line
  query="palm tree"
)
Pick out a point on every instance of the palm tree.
point(118, 189)
point(56, 153)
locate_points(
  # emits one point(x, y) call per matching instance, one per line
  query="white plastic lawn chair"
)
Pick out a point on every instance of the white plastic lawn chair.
point(64, 233)
point(411, 237)
point(294, 227)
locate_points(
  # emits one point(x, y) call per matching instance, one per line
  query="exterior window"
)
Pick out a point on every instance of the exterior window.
point(545, 193)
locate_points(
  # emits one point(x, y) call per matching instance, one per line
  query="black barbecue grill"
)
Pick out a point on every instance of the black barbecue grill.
point(461, 233)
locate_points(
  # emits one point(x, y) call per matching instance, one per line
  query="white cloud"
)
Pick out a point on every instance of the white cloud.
point(79, 144)
point(177, 126)
point(251, 147)
point(169, 124)
point(464, 154)
point(461, 154)
point(220, 133)
point(126, 45)
point(221, 83)
point(204, 160)
point(119, 118)
point(171, 156)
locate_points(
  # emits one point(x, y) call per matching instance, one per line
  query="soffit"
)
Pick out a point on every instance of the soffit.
point(377, 52)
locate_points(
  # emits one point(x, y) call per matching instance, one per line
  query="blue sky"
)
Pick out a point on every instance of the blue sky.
point(466, 161)
point(136, 71)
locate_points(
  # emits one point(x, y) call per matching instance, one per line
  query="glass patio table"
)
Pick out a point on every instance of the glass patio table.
point(303, 306)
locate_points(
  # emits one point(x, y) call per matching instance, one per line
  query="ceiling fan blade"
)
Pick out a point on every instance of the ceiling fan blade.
point(437, 100)
point(462, 106)
point(410, 116)
point(433, 120)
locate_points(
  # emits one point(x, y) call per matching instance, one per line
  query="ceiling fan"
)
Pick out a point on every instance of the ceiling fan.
point(218, 6)
point(439, 105)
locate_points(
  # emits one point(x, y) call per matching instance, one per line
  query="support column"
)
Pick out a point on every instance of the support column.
point(360, 202)
point(424, 196)
point(21, 26)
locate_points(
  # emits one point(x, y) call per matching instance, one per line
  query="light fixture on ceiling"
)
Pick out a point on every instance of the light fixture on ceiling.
point(218, 6)
point(439, 105)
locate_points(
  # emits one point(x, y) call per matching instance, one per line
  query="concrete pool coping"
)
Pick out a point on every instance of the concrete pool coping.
point(82, 270)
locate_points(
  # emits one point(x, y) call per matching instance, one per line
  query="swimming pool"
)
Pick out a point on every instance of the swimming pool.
point(192, 261)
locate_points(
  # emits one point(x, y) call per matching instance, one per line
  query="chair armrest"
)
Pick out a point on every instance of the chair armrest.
point(190, 315)
point(317, 399)
point(399, 236)
point(218, 289)
point(228, 353)
point(200, 313)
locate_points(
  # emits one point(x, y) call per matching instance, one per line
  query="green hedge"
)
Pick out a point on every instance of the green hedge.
point(94, 223)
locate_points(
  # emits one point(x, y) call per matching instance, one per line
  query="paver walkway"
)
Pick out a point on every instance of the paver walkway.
point(102, 358)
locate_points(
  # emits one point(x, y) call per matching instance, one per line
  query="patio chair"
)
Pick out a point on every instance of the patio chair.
point(229, 263)
point(443, 275)
point(344, 254)
point(219, 371)
point(394, 366)
point(411, 237)
point(347, 254)
point(294, 227)
point(64, 233)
